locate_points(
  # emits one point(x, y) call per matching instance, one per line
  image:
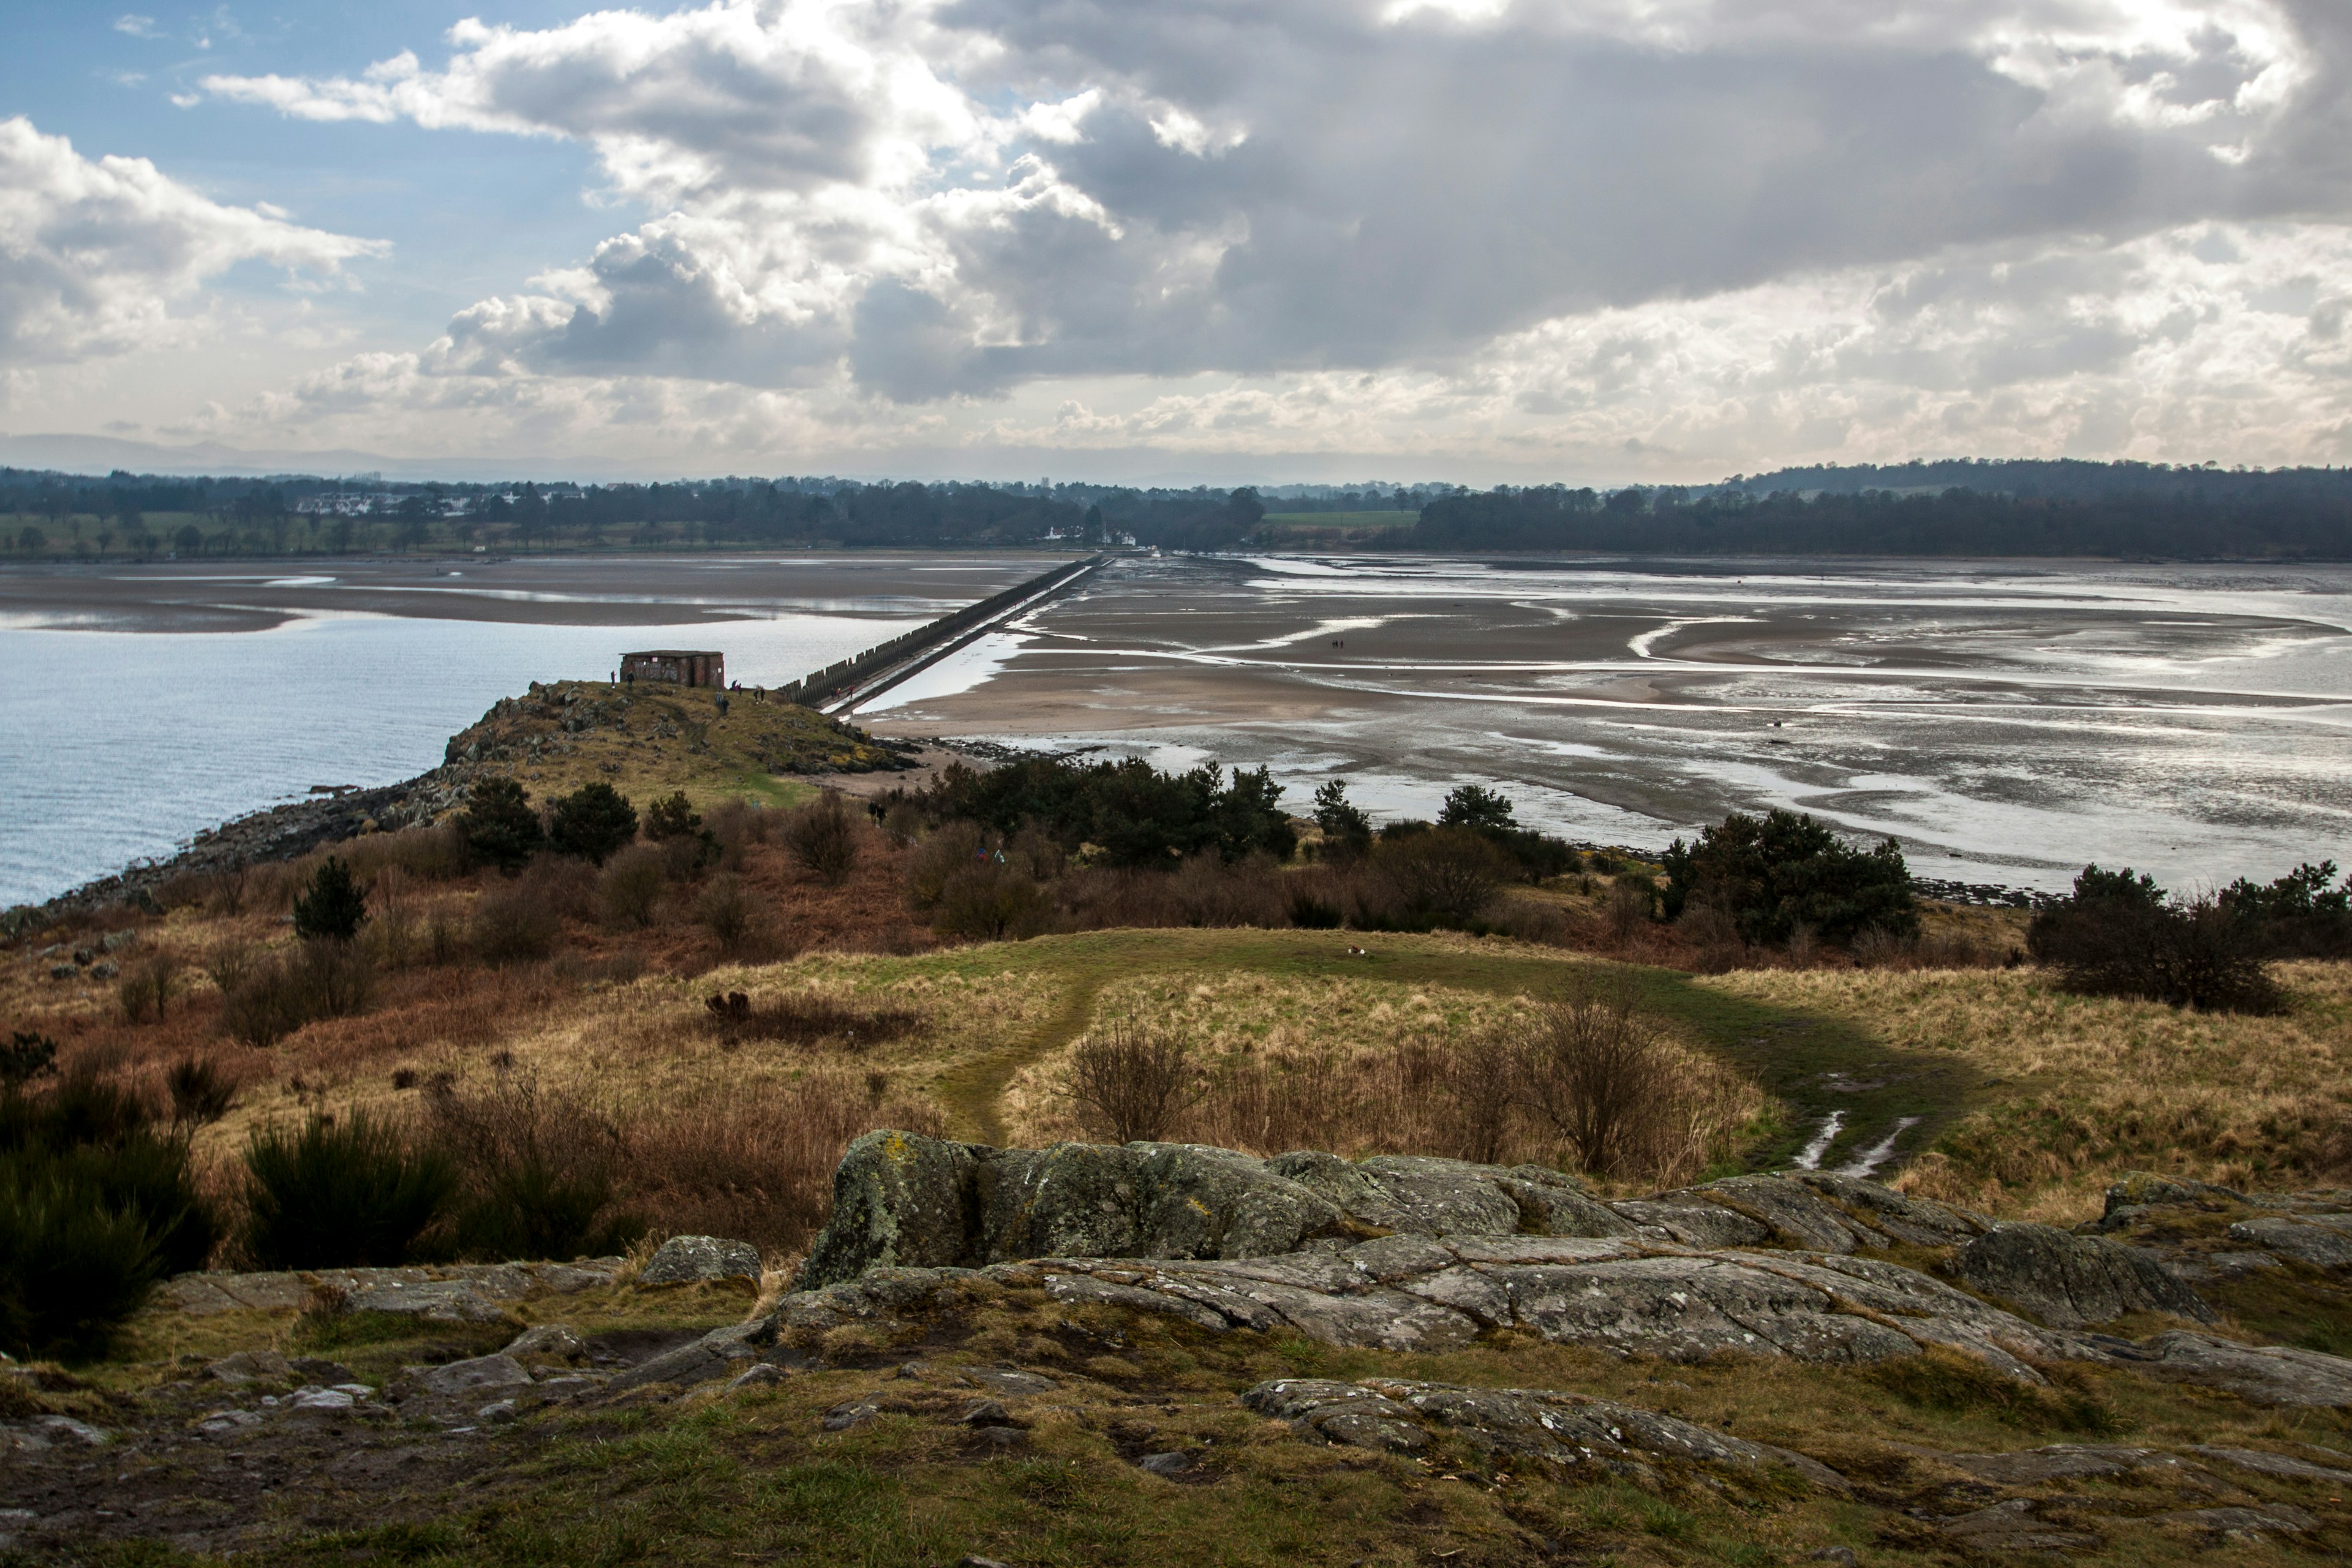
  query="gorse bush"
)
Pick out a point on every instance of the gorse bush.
point(26, 1056)
point(335, 1194)
point(1134, 814)
point(96, 1205)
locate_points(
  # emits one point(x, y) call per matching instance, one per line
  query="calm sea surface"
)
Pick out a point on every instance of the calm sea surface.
point(116, 743)
point(2006, 721)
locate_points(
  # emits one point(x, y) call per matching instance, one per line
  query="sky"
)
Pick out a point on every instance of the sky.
point(1601, 241)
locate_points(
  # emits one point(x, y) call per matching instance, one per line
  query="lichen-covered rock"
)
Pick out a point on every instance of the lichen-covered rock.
point(1565, 1429)
point(898, 1198)
point(695, 1259)
point(2072, 1280)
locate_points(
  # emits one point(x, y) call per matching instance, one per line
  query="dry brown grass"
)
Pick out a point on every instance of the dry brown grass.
point(1360, 1067)
point(2081, 1089)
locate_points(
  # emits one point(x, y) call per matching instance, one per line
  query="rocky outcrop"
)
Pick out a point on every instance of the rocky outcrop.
point(1423, 1255)
point(904, 1200)
point(2072, 1281)
point(1569, 1430)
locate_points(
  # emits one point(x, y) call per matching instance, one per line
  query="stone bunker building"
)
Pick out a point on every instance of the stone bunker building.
point(686, 667)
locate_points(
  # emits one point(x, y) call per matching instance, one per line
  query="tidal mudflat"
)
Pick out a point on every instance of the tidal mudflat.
point(2006, 720)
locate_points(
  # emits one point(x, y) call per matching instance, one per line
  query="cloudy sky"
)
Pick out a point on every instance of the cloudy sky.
point(1601, 240)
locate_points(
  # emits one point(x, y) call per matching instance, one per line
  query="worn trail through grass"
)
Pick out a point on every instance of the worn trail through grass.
point(1814, 1065)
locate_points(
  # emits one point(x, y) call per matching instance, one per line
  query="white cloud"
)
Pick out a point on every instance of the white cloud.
point(137, 26)
point(95, 257)
point(1700, 225)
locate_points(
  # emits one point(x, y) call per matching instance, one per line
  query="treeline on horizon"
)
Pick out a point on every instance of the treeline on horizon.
point(2127, 510)
point(1933, 509)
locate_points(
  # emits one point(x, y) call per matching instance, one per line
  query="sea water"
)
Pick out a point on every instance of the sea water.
point(116, 745)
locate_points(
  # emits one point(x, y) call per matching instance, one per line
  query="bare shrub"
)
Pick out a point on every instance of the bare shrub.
point(1715, 936)
point(540, 1170)
point(1478, 1084)
point(445, 936)
point(1133, 1082)
point(993, 904)
point(822, 838)
point(760, 1165)
point(805, 1017)
point(146, 987)
point(629, 889)
point(227, 963)
point(1632, 902)
point(1446, 874)
point(275, 997)
point(513, 924)
point(1594, 1067)
point(727, 912)
point(1875, 947)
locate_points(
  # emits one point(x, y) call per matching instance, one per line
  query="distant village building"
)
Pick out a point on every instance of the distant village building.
point(685, 666)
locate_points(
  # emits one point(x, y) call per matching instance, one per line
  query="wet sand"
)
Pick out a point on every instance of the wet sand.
point(592, 589)
point(2006, 723)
